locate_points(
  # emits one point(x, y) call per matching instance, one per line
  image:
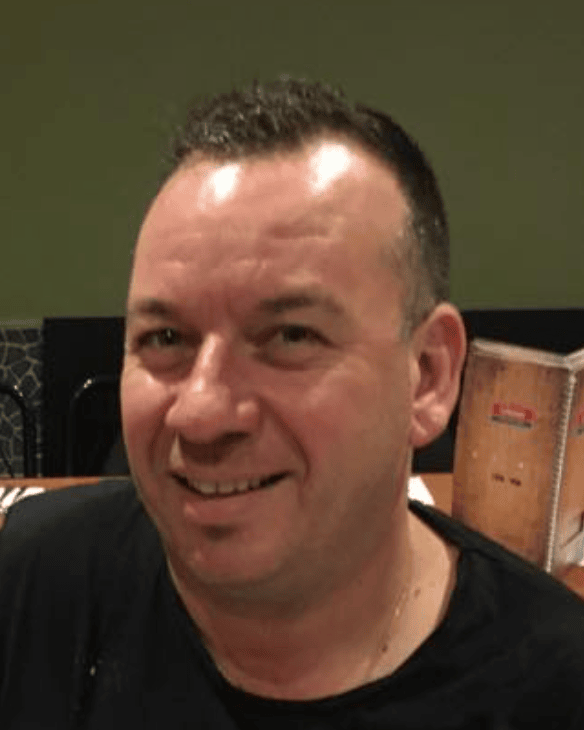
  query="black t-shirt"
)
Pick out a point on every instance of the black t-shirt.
point(93, 636)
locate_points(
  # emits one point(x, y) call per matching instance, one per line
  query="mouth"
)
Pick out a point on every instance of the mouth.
point(229, 488)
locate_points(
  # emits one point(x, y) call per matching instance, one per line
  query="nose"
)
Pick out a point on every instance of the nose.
point(209, 405)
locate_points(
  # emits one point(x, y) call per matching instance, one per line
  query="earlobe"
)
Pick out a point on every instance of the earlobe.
point(439, 349)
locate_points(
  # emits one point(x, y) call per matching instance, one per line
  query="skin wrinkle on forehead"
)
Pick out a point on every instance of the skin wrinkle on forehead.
point(317, 223)
point(301, 299)
point(329, 163)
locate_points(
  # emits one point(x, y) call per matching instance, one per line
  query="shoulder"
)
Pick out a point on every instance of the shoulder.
point(68, 549)
point(499, 591)
point(480, 547)
point(80, 571)
point(62, 530)
point(42, 511)
point(497, 571)
point(512, 626)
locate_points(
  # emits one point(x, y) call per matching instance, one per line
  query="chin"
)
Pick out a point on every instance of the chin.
point(226, 571)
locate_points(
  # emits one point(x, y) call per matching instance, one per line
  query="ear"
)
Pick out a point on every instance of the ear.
point(438, 352)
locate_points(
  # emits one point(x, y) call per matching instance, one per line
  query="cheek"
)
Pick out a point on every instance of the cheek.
point(144, 402)
point(350, 404)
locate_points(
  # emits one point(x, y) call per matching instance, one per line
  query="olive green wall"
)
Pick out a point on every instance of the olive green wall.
point(493, 91)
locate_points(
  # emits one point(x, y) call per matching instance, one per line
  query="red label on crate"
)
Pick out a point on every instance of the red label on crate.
point(513, 414)
point(578, 423)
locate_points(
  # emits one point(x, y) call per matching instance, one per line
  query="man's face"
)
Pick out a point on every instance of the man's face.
point(266, 393)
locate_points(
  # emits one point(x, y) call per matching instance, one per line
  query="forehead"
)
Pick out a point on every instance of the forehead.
point(330, 203)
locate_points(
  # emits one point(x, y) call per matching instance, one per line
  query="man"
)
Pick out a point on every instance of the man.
point(288, 343)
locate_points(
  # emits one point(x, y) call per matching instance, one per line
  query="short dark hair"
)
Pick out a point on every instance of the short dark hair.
point(283, 115)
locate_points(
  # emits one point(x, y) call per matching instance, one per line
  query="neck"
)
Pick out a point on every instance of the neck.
point(339, 640)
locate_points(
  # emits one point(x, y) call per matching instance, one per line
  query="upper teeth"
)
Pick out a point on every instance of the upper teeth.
point(210, 488)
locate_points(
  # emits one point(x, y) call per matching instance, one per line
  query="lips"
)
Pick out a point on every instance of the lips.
point(228, 488)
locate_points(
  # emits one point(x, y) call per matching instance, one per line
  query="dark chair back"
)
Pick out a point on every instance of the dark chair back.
point(28, 428)
point(76, 349)
point(92, 425)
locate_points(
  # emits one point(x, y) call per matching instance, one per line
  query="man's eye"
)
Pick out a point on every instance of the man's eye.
point(159, 339)
point(292, 345)
point(294, 334)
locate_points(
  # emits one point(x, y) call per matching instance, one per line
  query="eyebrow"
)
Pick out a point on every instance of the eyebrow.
point(301, 300)
point(151, 307)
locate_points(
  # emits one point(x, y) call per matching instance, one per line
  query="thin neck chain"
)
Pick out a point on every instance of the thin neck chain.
point(383, 645)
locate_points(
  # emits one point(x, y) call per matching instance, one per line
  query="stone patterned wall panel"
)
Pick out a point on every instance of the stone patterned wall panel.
point(20, 365)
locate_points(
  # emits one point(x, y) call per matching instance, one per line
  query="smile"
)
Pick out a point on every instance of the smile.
point(224, 489)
